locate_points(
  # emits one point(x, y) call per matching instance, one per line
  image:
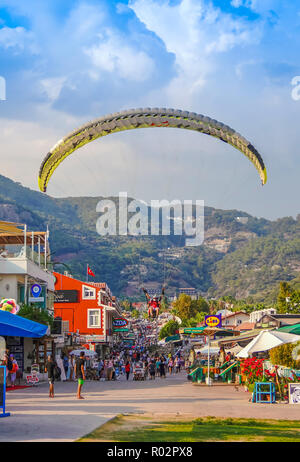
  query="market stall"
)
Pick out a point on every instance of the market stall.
point(15, 330)
point(261, 377)
point(210, 370)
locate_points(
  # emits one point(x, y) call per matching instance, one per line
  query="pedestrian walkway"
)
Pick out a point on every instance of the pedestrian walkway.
point(35, 417)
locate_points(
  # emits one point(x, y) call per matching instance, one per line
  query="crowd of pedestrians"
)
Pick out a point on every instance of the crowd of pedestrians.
point(12, 368)
point(122, 363)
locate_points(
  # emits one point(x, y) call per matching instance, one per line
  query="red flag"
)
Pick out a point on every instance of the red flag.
point(89, 271)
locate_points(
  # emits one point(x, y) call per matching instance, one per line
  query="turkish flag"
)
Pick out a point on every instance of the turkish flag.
point(90, 272)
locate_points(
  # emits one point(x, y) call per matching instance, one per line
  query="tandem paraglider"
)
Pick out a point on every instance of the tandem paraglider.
point(154, 303)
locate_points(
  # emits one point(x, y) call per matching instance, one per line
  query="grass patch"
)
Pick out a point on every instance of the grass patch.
point(153, 428)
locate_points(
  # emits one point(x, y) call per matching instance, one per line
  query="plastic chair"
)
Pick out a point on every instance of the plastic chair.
point(259, 394)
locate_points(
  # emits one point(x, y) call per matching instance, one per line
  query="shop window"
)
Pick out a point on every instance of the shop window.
point(94, 318)
point(88, 293)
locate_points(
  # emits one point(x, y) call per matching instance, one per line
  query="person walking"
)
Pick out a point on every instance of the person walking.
point(177, 365)
point(80, 374)
point(50, 368)
point(109, 369)
point(157, 364)
point(222, 356)
point(127, 369)
point(65, 364)
point(152, 368)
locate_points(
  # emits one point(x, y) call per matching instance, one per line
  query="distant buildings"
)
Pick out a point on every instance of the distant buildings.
point(25, 277)
point(24, 262)
point(83, 311)
point(257, 315)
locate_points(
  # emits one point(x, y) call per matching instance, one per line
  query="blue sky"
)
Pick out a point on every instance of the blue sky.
point(66, 63)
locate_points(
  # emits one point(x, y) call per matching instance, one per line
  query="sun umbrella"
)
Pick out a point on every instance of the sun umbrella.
point(86, 352)
point(234, 350)
point(266, 340)
point(211, 350)
point(208, 332)
point(293, 329)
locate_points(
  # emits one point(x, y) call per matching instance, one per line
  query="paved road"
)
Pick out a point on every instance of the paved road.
point(35, 417)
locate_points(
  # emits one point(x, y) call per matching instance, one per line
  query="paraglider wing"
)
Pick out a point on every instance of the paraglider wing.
point(146, 118)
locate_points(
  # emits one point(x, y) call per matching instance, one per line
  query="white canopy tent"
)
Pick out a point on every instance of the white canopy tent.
point(266, 340)
point(88, 353)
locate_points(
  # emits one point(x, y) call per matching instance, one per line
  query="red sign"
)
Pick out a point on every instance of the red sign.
point(89, 271)
point(120, 322)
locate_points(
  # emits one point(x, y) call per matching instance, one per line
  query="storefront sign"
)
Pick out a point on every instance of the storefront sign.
point(121, 329)
point(66, 296)
point(33, 379)
point(213, 320)
point(294, 393)
point(36, 299)
point(2, 348)
point(2, 391)
point(36, 290)
point(95, 338)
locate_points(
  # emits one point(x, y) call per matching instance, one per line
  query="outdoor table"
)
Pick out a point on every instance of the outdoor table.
point(258, 394)
point(215, 370)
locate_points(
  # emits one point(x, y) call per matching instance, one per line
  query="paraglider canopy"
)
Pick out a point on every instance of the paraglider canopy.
point(146, 118)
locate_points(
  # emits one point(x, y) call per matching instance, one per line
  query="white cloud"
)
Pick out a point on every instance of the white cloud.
point(53, 86)
point(195, 32)
point(18, 39)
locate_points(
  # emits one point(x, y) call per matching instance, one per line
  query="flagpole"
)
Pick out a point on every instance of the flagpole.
point(87, 273)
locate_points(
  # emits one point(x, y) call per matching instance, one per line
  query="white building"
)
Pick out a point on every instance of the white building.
point(234, 319)
point(255, 316)
point(25, 277)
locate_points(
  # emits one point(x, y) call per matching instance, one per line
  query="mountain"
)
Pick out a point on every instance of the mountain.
point(242, 256)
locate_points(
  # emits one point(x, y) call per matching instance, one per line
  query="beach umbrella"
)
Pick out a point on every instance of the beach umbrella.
point(234, 350)
point(293, 329)
point(212, 350)
point(86, 352)
point(266, 340)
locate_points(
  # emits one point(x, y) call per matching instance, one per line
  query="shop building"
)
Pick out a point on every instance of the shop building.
point(25, 276)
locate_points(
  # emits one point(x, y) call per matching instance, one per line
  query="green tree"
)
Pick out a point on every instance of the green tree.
point(282, 355)
point(200, 305)
point(135, 313)
point(36, 314)
point(168, 329)
point(183, 306)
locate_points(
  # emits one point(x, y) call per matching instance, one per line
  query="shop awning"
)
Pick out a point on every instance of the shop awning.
point(15, 326)
point(208, 331)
